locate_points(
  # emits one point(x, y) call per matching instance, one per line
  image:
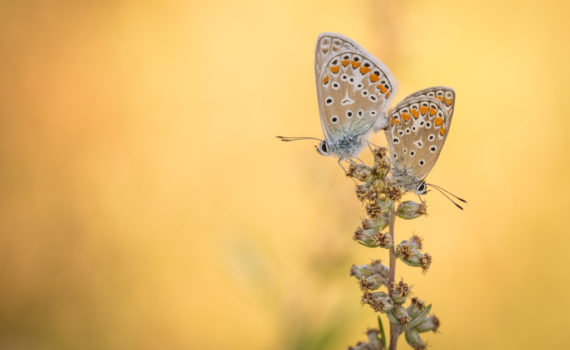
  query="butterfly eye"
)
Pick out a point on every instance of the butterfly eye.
point(324, 147)
point(421, 189)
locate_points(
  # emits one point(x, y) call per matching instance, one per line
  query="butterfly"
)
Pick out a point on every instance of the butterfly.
point(417, 129)
point(353, 91)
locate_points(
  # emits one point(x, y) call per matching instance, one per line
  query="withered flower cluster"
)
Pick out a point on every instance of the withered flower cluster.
point(382, 201)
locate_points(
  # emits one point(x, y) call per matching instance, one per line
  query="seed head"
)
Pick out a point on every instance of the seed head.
point(378, 301)
point(360, 172)
point(431, 323)
point(411, 210)
point(413, 338)
point(415, 307)
point(394, 193)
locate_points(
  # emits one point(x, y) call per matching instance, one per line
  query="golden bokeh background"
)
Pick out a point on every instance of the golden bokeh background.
point(146, 204)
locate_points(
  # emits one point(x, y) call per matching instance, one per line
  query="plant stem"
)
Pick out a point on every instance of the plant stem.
point(393, 331)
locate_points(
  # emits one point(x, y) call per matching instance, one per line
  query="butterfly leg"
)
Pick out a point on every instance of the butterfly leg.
point(340, 164)
point(360, 160)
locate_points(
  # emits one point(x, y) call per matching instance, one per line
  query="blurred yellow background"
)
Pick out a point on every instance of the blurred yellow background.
point(146, 204)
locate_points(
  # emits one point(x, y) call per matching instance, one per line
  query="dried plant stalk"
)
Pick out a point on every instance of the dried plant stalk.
point(382, 200)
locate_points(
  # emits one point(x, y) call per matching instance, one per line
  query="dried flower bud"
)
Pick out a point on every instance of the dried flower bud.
point(362, 271)
point(373, 282)
point(380, 268)
point(413, 338)
point(373, 210)
point(369, 224)
point(360, 346)
point(415, 242)
point(411, 210)
point(359, 171)
point(379, 154)
point(400, 314)
point(368, 238)
point(384, 240)
point(416, 306)
point(399, 292)
point(374, 339)
point(394, 193)
point(409, 253)
point(378, 301)
point(425, 261)
point(431, 323)
point(361, 191)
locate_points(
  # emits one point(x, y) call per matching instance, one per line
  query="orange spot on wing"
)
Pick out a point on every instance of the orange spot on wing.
point(355, 64)
point(406, 116)
point(440, 98)
point(345, 63)
point(387, 94)
point(397, 122)
point(326, 79)
point(335, 48)
point(415, 113)
point(374, 78)
point(442, 131)
point(431, 111)
point(364, 70)
point(438, 121)
point(448, 101)
point(335, 69)
point(423, 109)
point(391, 121)
point(382, 88)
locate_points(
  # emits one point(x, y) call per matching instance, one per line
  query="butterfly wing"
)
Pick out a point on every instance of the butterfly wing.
point(353, 87)
point(418, 128)
point(444, 94)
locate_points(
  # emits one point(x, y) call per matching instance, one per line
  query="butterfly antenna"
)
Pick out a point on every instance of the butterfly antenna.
point(446, 196)
point(446, 191)
point(287, 139)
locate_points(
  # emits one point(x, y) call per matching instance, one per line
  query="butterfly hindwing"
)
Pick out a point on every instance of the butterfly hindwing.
point(444, 94)
point(418, 128)
point(353, 87)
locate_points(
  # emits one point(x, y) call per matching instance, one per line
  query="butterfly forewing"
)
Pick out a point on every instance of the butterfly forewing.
point(353, 87)
point(418, 128)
